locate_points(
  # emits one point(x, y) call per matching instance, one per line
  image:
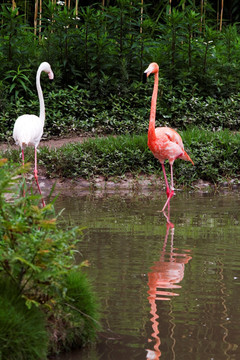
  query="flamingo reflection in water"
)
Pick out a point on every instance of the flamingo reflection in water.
point(166, 273)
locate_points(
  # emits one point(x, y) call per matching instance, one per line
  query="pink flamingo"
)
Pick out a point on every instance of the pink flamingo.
point(28, 129)
point(164, 142)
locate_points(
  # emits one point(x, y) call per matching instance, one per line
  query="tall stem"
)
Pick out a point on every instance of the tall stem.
point(35, 18)
point(221, 15)
point(40, 19)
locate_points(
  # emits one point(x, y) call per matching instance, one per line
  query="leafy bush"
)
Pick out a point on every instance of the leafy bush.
point(37, 257)
point(73, 111)
point(23, 332)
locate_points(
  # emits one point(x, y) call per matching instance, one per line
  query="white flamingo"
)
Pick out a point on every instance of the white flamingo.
point(28, 129)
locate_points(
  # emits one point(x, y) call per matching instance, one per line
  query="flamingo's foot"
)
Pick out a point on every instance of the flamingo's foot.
point(172, 193)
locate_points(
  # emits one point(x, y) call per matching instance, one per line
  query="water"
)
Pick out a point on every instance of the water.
point(166, 292)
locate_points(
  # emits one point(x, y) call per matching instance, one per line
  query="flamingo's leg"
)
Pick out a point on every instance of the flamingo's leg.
point(23, 190)
point(22, 156)
point(36, 177)
point(172, 187)
point(166, 181)
point(170, 191)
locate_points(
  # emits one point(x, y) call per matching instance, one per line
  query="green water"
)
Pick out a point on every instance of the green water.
point(166, 293)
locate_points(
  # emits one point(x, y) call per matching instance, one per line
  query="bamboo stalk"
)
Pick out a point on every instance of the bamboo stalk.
point(40, 18)
point(76, 11)
point(221, 15)
point(35, 17)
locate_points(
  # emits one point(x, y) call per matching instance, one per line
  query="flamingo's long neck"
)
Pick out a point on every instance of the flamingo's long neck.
point(40, 97)
point(151, 128)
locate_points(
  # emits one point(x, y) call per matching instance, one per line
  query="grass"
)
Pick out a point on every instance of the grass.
point(216, 156)
point(80, 323)
point(23, 332)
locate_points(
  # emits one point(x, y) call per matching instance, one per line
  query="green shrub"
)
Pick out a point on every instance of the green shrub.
point(37, 257)
point(23, 333)
point(82, 307)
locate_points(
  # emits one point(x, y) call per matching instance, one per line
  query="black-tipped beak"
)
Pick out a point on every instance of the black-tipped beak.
point(144, 78)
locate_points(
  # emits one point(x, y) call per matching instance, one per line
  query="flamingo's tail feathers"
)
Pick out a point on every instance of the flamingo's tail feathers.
point(186, 157)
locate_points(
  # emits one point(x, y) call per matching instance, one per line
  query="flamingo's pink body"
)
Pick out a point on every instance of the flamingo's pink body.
point(164, 142)
point(167, 144)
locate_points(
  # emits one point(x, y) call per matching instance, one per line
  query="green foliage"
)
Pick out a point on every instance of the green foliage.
point(215, 154)
point(23, 332)
point(104, 53)
point(37, 257)
point(17, 44)
point(19, 82)
point(82, 308)
point(72, 110)
point(109, 156)
point(34, 254)
point(98, 58)
point(111, 47)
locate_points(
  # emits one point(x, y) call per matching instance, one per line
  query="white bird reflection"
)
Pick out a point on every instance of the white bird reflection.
point(165, 275)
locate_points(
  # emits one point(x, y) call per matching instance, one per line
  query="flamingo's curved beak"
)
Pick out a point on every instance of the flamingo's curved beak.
point(51, 75)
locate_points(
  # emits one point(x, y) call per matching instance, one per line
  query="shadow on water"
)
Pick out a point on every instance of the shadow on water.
point(167, 291)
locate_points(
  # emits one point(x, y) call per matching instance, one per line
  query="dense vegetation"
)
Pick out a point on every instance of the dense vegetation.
point(46, 302)
point(98, 53)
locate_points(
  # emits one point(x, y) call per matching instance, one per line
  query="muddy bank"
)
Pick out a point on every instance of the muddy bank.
point(127, 185)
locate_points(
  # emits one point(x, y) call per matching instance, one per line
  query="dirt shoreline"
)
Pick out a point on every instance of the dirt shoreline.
point(128, 185)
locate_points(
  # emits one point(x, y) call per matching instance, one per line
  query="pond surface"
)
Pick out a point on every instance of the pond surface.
point(166, 292)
